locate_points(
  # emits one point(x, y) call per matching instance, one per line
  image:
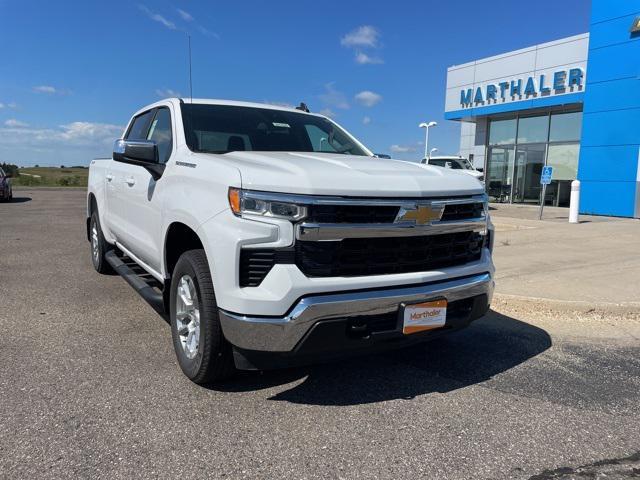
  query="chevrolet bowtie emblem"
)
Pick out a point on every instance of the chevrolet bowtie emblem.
point(421, 215)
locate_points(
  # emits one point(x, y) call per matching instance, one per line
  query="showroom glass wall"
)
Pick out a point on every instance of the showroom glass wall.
point(519, 146)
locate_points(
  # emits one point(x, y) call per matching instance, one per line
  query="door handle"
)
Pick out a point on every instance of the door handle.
point(130, 181)
point(109, 177)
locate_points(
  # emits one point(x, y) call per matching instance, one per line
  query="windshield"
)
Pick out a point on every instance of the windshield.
point(229, 128)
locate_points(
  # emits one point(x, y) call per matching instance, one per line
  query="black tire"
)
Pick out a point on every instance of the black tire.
point(213, 360)
point(99, 261)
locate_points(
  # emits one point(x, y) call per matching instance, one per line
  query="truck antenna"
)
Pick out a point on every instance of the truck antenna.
point(190, 77)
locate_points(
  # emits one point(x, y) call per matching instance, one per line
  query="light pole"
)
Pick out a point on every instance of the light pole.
point(431, 152)
point(427, 126)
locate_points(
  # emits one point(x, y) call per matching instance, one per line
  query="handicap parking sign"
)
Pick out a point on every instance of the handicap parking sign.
point(547, 173)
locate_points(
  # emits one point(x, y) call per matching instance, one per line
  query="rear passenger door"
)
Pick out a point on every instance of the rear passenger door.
point(141, 202)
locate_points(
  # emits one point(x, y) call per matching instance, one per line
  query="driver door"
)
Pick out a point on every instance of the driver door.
point(138, 195)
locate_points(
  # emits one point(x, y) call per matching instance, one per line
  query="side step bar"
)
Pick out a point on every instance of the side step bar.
point(150, 294)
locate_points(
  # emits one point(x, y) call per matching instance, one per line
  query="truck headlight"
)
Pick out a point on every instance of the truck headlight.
point(247, 203)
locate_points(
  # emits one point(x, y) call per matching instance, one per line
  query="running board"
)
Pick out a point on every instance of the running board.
point(147, 291)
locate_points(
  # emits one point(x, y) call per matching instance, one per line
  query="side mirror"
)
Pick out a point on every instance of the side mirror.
point(143, 153)
point(481, 170)
point(382, 155)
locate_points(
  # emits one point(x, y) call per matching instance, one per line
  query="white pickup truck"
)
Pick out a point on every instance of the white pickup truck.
point(269, 236)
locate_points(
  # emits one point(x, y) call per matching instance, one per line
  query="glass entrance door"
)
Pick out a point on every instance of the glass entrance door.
point(527, 172)
point(500, 173)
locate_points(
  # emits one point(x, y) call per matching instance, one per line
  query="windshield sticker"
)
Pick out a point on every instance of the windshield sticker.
point(281, 125)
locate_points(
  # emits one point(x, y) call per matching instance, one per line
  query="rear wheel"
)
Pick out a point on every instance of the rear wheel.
point(99, 246)
point(203, 353)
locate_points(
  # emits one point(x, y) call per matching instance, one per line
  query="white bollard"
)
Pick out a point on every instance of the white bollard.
point(574, 202)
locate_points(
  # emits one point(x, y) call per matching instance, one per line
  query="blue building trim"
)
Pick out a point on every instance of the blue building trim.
point(610, 144)
point(566, 99)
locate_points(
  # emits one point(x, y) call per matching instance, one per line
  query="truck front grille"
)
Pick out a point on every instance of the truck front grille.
point(380, 256)
point(364, 256)
point(359, 214)
point(352, 213)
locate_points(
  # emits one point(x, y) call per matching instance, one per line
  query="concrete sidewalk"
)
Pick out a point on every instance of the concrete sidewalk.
point(596, 261)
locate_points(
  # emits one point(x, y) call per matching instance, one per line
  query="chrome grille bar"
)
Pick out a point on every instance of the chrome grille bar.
point(340, 231)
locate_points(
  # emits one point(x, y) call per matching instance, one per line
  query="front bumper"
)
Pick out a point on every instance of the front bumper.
point(285, 334)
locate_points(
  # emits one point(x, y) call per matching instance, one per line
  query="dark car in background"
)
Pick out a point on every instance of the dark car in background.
point(6, 193)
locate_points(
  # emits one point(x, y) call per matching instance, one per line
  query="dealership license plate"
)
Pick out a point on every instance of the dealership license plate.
point(419, 317)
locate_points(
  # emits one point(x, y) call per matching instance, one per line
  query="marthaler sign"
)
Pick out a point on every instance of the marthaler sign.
point(559, 82)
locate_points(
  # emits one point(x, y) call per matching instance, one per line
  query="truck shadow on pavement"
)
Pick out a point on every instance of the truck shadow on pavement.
point(490, 346)
point(19, 200)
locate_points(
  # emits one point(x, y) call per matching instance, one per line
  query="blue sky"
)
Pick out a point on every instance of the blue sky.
point(72, 72)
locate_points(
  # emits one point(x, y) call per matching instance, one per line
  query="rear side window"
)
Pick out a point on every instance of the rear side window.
point(140, 126)
point(160, 132)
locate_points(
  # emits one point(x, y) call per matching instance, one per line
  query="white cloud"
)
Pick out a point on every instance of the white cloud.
point(365, 36)
point(156, 17)
point(368, 98)
point(45, 89)
point(74, 143)
point(13, 123)
point(206, 32)
point(12, 105)
point(167, 93)
point(327, 112)
point(402, 148)
point(186, 16)
point(90, 132)
point(334, 98)
point(71, 134)
point(364, 59)
point(366, 120)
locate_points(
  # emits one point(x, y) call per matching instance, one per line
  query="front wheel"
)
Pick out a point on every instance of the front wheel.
point(99, 246)
point(203, 353)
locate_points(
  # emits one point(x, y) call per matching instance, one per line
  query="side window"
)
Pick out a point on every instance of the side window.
point(140, 126)
point(160, 132)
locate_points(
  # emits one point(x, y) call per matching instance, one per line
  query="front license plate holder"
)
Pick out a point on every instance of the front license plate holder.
point(423, 316)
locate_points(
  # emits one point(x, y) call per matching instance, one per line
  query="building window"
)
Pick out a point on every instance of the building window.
point(564, 160)
point(502, 132)
point(533, 129)
point(566, 127)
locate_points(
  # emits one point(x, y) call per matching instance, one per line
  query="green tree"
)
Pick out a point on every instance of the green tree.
point(9, 168)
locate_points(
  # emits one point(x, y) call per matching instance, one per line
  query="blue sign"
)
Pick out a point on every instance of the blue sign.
point(547, 173)
point(560, 82)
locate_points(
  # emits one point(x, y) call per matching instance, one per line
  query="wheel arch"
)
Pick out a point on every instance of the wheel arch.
point(179, 238)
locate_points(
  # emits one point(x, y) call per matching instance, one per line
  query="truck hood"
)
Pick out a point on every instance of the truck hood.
point(474, 173)
point(347, 175)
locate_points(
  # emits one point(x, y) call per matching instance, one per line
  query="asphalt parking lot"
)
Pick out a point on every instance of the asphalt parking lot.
point(90, 387)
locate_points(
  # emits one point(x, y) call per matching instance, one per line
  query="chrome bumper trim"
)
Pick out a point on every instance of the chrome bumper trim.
point(282, 334)
point(337, 231)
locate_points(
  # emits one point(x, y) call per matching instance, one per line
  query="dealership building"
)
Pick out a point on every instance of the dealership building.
point(573, 104)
